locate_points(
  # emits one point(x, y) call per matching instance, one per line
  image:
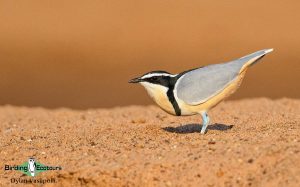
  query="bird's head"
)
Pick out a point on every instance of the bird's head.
point(31, 160)
point(157, 83)
point(154, 78)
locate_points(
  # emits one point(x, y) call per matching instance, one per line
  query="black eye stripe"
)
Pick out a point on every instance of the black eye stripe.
point(153, 78)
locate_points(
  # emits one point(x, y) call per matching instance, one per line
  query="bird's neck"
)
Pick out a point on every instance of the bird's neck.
point(159, 94)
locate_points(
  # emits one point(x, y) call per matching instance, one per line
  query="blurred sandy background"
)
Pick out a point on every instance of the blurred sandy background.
point(80, 54)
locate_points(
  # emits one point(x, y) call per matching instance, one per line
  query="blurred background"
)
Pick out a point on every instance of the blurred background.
point(80, 54)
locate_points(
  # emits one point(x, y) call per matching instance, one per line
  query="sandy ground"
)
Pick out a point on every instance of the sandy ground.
point(74, 53)
point(252, 142)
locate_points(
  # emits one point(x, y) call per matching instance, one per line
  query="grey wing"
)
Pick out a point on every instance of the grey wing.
point(199, 85)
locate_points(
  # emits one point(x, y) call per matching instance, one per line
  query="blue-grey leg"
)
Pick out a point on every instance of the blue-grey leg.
point(205, 122)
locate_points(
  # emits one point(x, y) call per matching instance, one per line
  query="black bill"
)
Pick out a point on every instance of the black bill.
point(135, 80)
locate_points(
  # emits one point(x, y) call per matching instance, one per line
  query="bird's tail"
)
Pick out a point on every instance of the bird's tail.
point(253, 58)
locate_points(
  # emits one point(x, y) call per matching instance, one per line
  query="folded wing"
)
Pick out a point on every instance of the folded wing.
point(199, 85)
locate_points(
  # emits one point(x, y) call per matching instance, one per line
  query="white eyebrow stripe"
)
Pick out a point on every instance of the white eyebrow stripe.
point(157, 74)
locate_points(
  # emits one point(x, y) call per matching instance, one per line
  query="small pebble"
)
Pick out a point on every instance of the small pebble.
point(169, 183)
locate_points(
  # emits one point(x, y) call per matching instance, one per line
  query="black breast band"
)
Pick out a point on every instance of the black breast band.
point(173, 101)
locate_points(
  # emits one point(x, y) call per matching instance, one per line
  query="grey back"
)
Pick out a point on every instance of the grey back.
point(199, 85)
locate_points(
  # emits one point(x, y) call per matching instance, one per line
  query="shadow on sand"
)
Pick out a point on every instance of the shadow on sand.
point(191, 128)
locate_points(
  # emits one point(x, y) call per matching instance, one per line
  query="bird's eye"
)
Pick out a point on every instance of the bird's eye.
point(153, 78)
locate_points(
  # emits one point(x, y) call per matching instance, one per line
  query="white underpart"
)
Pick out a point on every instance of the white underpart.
point(154, 89)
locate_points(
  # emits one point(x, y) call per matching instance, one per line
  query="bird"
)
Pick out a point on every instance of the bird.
point(31, 166)
point(198, 90)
